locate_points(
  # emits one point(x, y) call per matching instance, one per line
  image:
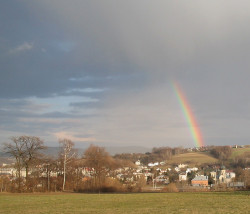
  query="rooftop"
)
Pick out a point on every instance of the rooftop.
point(200, 178)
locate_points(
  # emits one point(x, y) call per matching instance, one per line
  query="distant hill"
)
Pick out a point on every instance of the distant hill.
point(193, 158)
point(3, 155)
point(239, 152)
point(127, 149)
point(53, 151)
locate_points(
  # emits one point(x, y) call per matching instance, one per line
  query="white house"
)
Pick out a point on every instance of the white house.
point(177, 169)
point(182, 177)
point(162, 179)
point(12, 172)
point(194, 169)
point(153, 164)
point(181, 166)
point(138, 163)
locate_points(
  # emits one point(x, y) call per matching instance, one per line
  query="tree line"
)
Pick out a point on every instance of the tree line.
point(39, 168)
point(157, 155)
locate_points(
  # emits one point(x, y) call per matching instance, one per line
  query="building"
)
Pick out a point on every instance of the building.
point(12, 172)
point(200, 180)
point(153, 164)
point(194, 169)
point(138, 163)
point(222, 176)
point(236, 185)
point(181, 166)
point(182, 177)
point(162, 179)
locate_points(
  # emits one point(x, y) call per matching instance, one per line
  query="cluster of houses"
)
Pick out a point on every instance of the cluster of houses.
point(154, 173)
point(219, 175)
point(10, 171)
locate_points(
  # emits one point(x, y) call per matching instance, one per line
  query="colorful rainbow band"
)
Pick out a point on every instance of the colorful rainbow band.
point(193, 126)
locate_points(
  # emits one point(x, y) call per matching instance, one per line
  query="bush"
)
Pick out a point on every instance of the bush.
point(221, 152)
point(170, 188)
point(110, 185)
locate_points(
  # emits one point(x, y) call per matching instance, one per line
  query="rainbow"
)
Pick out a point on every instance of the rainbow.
point(193, 126)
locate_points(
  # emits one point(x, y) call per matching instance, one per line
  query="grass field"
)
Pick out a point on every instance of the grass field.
point(193, 158)
point(240, 152)
point(210, 202)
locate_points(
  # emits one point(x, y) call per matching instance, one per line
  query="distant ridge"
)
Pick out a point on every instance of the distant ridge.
point(112, 150)
point(127, 149)
point(52, 151)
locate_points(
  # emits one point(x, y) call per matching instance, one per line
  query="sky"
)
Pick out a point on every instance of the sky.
point(101, 72)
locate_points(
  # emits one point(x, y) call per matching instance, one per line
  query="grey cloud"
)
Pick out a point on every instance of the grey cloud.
point(84, 104)
point(21, 48)
point(134, 49)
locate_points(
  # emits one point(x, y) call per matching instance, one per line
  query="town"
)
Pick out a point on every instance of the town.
point(31, 170)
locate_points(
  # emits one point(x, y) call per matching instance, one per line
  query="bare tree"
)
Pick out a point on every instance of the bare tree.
point(25, 149)
point(16, 150)
point(67, 154)
point(49, 165)
point(76, 173)
point(32, 147)
point(98, 159)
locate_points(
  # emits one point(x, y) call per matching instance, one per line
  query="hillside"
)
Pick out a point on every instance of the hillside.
point(193, 158)
point(240, 152)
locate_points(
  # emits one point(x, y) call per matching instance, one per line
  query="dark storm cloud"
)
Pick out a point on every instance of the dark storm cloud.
point(115, 60)
point(38, 59)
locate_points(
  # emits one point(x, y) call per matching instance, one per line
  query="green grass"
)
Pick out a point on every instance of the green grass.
point(229, 202)
point(193, 158)
point(239, 152)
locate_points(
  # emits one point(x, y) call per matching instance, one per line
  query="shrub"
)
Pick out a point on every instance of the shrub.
point(110, 185)
point(170, 188)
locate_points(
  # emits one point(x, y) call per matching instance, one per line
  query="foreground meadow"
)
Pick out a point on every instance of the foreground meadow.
point(226, 202)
